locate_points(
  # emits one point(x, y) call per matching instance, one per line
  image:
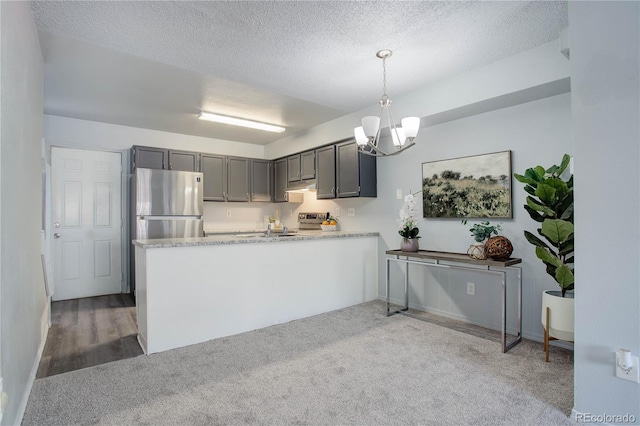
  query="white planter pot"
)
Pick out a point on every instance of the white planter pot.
point(560, 315)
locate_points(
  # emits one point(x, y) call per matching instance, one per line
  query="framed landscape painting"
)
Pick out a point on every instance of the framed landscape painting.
point(468, 187)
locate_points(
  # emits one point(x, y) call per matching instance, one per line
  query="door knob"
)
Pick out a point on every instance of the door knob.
point(56, 235)
point(56, 225)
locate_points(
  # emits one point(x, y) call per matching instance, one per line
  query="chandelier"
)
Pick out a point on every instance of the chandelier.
point(368, 135)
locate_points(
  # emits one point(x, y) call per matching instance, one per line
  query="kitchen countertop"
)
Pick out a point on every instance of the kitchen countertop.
point(248, 237)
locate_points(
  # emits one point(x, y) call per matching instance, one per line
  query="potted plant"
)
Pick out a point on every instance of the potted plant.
point(550, 202)
point(481, 232)
point(408, 225)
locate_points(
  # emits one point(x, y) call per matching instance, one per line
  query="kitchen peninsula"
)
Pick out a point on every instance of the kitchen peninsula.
point(190, 290)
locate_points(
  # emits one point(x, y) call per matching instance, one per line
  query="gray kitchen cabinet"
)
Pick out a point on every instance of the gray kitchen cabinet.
point(326, 172)
point(150, 158)
point(280, 181)
point(355, 172)
point(184, 161)
point(280, 194)
point(301, 166)
point(238, 172)
point(214, 171)
point(167, 159)
point(261, 180)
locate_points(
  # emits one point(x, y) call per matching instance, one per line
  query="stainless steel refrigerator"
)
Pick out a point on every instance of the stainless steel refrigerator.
point(164, 204)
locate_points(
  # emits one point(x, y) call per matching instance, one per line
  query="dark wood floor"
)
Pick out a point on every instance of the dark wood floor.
point(90, 331)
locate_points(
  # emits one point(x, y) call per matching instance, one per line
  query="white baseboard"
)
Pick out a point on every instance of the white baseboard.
point(45, 323)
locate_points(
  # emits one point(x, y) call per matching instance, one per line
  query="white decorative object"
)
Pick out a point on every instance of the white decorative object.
point(477, 251)
point(409, 220)
point(329, 227)
point(368, 135)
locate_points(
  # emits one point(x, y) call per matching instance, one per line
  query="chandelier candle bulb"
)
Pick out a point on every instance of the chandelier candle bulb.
point(398, 137)
point(410, 125)
point(361, 138)
point(371, 124)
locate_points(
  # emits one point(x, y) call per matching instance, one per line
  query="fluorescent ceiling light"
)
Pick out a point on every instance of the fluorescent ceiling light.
point(225, 119)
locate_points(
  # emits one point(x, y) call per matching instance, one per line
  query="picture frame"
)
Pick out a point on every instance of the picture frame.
point(478, 186)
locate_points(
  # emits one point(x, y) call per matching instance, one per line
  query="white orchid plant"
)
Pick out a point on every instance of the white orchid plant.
point(409, 218)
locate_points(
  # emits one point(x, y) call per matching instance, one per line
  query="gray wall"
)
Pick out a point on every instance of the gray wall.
point(605, 48)
point(23, 301)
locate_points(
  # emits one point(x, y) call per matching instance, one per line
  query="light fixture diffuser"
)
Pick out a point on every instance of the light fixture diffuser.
point(235, 121)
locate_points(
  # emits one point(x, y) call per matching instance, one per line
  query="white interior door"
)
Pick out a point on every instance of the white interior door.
point(87, 224)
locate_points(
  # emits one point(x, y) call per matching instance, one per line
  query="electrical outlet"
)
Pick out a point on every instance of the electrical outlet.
point(337, 211)
point(398, 194)
point(290, 213)
point(471, 289)
point(633, 374)
point(351, 211)
point(229, 213)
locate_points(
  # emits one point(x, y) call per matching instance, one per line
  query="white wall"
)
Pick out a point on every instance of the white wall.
point(74, 133)
point(605, 67)
point(537, 132)
point(23, 303)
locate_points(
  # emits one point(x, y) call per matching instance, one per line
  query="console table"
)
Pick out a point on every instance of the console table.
point(438, 259)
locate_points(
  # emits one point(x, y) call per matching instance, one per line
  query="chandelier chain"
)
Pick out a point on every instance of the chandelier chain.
point(384, 78)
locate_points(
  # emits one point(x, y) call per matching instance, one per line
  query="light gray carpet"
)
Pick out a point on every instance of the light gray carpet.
point(353, 366)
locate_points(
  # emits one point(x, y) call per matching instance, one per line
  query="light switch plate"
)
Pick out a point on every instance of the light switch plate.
point(398, 194)
point(633, 375)
point(337, 211)
point(229, 213)
point(351, 211)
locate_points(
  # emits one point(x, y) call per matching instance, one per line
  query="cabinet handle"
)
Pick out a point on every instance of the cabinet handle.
point(164, 165)
point(170, 166)
point(224, 195)
point(247, 195)
point(286, 196)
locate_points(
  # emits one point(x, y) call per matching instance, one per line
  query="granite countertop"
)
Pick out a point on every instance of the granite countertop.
point(248, 237)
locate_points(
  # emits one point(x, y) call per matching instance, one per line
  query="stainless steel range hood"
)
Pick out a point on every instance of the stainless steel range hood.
point(301, 187)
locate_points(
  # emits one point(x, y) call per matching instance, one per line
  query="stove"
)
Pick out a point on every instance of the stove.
point(311, 221)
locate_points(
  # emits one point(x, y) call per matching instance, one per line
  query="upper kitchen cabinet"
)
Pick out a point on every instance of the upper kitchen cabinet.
point(150, 158)
point(238, 172)
point(261, 180)
point(214, 170)
point(355, 172)
point(167, 159)
point(301, 166)
point(184, 161)
point(280, 180)
point(326, 172)
point(280, 194)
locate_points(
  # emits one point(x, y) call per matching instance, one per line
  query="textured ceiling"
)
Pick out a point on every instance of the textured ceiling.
point(295, 63)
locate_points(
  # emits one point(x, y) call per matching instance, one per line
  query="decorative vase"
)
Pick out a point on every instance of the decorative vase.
point(477, 251)
point(498, 248)
point(409, 244)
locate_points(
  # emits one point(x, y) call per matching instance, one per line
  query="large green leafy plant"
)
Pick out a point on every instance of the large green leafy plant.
point(550, 202)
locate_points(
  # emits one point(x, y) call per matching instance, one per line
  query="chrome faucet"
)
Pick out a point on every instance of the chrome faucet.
point(285, 230)
point(268, 231)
